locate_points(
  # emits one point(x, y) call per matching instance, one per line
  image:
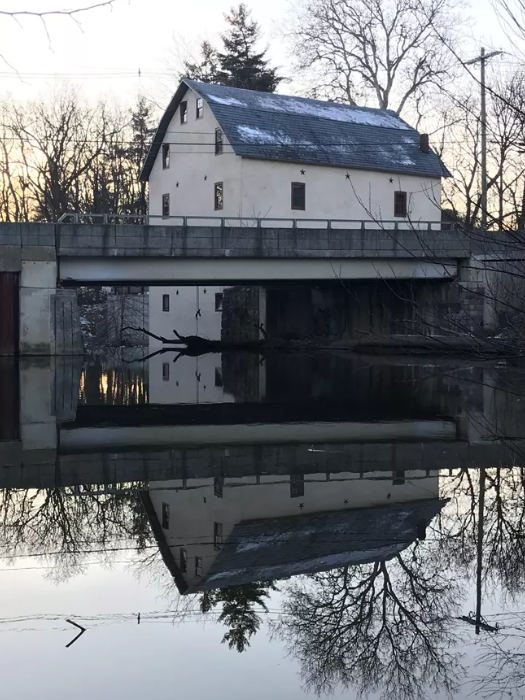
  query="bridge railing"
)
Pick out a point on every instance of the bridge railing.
point(249, 222)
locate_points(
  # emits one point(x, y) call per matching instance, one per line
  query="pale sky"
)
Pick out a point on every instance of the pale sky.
point(105, 55)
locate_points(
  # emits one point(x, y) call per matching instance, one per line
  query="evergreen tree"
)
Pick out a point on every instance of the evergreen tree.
point(206, 70)
point(143, 129)
point(240, 65)
point(238, 613)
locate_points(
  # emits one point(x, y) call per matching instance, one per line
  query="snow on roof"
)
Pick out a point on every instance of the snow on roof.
point(286, 128)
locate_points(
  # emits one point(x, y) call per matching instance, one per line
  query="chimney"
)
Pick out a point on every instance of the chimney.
point(424, 144)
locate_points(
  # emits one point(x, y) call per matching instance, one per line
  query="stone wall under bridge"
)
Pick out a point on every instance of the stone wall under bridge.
point(352, 311)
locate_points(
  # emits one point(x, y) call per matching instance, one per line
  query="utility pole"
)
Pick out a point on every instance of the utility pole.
point(483, 58)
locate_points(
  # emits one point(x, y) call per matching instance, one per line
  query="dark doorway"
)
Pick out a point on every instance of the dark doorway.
point(8, 314)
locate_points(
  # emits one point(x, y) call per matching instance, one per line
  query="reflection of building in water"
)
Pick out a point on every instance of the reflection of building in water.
point(190, 311)
point(220, 532)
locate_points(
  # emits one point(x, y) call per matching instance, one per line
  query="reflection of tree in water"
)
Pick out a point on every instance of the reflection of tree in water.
point(376, 627)
point(68, 529)
point(503, 526)
point(239, 611)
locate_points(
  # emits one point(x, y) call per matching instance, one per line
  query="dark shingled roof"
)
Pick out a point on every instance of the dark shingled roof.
point(266, 550)
point(283, 128)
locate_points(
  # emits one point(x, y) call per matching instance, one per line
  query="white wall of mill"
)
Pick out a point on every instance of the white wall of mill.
point(258, 188)
point(194, 511)
point(191, 379)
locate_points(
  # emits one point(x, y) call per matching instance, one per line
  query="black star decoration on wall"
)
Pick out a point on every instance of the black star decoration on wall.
point(303, 171)
point(348, 176)
point(391, 180)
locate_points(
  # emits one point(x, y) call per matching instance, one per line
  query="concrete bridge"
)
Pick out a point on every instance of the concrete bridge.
point(38, 260)
point(55, 442)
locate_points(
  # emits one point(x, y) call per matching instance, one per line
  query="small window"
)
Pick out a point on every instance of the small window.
point(218, 486)
point(296, 485)
point(198, 566)
point(298, 196)
point(199, 108)
point(165, 156)
point(217, 535)
point(219, 382)
point(165, 516)
point(218, 142)
point(165, 372)
point(183, 561)
point(219, 196)
point(165, 302)
point(218, 301)
point(183, 112)
point(165, 205)
point(400, 204)
point(398, 477)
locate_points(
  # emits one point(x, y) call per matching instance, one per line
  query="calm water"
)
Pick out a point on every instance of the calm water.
point(287, 526)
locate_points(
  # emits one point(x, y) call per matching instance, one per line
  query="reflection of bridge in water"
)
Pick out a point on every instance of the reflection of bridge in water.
point(414, 418)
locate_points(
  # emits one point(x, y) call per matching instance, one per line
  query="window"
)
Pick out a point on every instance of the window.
point(219, 382)
point(298, 196)
point(165, 205)
point(400, 204)
point(218, 301)
point(219, 198)
point(165, 516)
point(217, 535)
point(198, 566)
point(183, 561)
point(296, 485)
point(218, 486)
point(165, 372)
point(165, 156)
point(183, 112)
point(165, 302)
point(199, 108)
point(218, 142)
point(398, 477)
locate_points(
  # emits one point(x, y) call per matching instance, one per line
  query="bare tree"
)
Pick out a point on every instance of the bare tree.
point(381, 52)
point(383, 627)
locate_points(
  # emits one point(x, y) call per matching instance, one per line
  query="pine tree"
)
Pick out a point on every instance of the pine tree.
point(142, 126)
point(239, 612)
point(240, 65)
point(206, 70)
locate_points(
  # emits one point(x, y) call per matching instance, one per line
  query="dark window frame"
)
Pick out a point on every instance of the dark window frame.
point(218, 486)
point(166, 206)
point(400, 205)
point(165, 303)
point(183, 560)
point(218, 202)
point(219, 298)
point(199, 108)
point(301, 205)
point(217, 536)
point(198, 566)
point(165, 371)
point(296, 485)
point(219, 142)
point(165, 516)
point(184, 112)
point(165, 156)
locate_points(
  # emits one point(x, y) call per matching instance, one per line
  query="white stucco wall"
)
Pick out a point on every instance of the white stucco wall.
point(256, 188)
point(194, 511)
